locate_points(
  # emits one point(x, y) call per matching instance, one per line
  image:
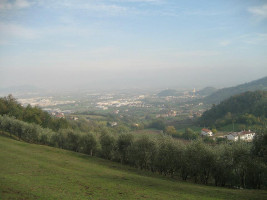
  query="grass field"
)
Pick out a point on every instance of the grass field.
point(152, 133)
point(29, 171)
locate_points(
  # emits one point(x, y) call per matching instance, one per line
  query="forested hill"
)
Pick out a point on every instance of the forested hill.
point(225, 93)
point(246, 108)
point(168, 92)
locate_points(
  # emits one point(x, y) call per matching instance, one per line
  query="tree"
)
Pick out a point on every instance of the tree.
point(59, 139)
point(88, 144)
point(241, 156)
point(169, 156)
point(222, 168)
point(256, 173)
point(121, 129)
point(107, 146)
point(143, 153)
point(189, 134)
point(124, 144)
point(170, 130)
point(158, 124)
point(214, 130)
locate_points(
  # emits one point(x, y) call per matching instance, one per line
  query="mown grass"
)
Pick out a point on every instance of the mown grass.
point(30, 171)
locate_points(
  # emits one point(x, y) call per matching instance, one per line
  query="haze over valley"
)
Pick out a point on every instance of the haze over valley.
point(133, 99)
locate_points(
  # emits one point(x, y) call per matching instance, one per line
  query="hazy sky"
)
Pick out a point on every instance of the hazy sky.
point(132, 43)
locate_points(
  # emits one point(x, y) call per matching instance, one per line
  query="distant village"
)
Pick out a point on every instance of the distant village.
point(121, 102)
point(118, 104)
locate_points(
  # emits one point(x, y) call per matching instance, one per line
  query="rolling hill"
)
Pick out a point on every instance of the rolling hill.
point(30, 171)
point(225, 93)
point(206, 91)
point(244, 106)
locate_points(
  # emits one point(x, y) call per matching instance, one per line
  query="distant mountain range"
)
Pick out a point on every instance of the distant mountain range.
point(222, 94)
point(20, 90)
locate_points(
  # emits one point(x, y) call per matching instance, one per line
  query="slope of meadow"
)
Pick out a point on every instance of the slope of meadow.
point(30, 171)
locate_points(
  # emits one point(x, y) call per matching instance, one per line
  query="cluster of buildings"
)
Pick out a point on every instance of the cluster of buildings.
point(171, 113)
point(119, 103)
point(43, 102)
point(243, 135)
point(232, 136)
point(206, 132)
point(58, 114)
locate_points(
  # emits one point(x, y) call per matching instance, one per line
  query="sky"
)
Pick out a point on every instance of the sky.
point(79, 44)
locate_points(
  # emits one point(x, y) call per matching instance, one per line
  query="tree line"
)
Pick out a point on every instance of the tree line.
point(237, 164)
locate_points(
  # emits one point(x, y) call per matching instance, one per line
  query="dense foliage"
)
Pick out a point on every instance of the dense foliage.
point(236, 164)
point(249, 108)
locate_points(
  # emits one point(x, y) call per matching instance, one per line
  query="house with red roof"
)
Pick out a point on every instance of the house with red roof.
point(206, 132)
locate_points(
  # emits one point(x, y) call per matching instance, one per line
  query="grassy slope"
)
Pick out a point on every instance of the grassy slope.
point(29, 171)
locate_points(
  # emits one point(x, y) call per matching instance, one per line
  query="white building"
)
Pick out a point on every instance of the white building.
point(75, 118)
point(247, 135)
point(243, 135)
point(113, 124)
point(232, 136)
point(206, 132)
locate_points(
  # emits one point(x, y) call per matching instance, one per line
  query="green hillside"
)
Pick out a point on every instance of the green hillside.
point(30, 171)
point(225, 93)
point(247, 108)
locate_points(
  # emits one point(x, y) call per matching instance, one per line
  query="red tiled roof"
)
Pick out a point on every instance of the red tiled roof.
point(245, 132)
